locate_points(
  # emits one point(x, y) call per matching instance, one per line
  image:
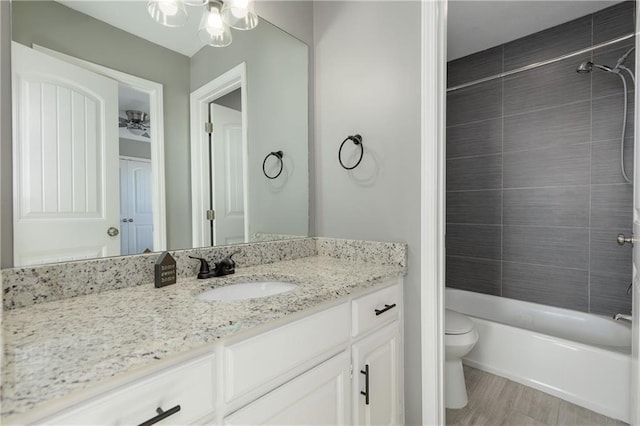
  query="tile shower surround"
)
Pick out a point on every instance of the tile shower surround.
point(45, 283)
point(535, 196)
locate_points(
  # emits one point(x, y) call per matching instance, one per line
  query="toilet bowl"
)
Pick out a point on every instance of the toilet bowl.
point(460, 337)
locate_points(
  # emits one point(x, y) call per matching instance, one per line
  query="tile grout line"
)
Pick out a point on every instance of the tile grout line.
point(457, 256)
point(463, 157)
point(590, 141)
point(590, 176)
point(525, 188)
point(502, 180)
point(519, 225)
point(536, 110)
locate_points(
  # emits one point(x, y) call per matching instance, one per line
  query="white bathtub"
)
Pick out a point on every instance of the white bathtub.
point(582, 358)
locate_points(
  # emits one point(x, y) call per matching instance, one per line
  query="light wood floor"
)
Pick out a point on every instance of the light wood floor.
point(495, 401)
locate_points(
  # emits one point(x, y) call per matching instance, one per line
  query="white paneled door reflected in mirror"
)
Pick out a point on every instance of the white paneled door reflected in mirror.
point(102, 133)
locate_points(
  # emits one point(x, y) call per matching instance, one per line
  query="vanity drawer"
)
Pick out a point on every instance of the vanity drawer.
point(189, 385)
point(252, 366)
point(376, 309)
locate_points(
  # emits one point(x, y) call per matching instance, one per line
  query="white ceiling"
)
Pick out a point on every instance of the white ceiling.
point(476, 25)
point(129, 98)
point(132, 16)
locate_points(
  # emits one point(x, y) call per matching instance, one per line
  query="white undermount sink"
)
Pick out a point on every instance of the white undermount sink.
point(242, 291)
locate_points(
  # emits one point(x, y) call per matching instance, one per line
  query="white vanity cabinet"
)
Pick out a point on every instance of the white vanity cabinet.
point(189, 386)
point(305, 371)
point(318, 397)
point(377, 358)
point(258, 364)
point(327, 394)
point(376, 378)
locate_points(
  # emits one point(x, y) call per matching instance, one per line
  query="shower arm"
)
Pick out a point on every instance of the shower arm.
point(623, 58)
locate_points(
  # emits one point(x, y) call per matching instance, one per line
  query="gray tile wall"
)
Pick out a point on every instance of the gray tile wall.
point(535, 197)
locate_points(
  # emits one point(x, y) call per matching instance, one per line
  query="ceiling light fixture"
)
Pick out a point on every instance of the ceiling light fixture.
point(239, 14)
point(170, 13)
point(216, 21)
point(213, 30)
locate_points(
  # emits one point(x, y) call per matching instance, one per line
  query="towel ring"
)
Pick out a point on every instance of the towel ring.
point(278, 155)
point(357, 140)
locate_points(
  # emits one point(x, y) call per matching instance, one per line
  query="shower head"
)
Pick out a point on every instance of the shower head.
point(585, 67)
point(588, 66)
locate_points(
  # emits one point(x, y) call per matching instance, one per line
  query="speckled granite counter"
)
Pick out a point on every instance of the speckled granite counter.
point(56, 348)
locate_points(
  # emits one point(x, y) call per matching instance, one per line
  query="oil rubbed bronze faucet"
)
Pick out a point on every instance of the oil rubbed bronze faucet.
point(226, 266)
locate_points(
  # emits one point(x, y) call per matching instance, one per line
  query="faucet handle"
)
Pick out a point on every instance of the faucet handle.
point(204, 267)
point(228, 261)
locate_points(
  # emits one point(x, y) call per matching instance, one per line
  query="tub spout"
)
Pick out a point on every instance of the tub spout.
point(624, 317)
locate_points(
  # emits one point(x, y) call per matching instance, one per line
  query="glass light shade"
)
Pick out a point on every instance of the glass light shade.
point(136, 131)
point(213, 30)
point(239, 14)
point(170, 13)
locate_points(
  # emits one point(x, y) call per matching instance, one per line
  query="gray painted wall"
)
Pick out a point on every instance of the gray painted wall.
point(296, 18)
point(60, 28)
point(231, 100)
point(6, 188)
point(367, 81)
point(133, 148)
point(277, 120)
point(535, 196)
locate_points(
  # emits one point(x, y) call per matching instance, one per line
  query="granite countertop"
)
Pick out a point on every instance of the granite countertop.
point(57, 348)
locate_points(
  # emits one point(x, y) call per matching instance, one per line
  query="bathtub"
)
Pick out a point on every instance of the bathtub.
point(582, 358)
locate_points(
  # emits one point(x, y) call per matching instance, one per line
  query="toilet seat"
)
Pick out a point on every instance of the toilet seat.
point(456, 323)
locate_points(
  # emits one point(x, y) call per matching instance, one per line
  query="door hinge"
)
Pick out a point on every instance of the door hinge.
point(208, 127)
point(211, 214)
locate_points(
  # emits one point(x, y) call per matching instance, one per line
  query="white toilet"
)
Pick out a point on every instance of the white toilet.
point(460, 337)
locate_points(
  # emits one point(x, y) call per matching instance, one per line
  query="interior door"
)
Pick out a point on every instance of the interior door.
point(227, 176)
point(65, 147)
point(136, 207)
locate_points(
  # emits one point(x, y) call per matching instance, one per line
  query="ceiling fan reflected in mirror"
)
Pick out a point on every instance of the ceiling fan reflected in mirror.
point(137, 122)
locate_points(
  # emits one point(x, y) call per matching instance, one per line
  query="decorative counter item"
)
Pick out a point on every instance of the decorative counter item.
point(165, 270)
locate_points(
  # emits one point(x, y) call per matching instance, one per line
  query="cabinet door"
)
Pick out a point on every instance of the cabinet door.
point(378, 357)
point(318, 397)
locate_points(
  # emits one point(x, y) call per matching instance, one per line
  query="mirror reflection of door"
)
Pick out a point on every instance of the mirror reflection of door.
point(66, 160)
point(136, 208)
point(227, 170)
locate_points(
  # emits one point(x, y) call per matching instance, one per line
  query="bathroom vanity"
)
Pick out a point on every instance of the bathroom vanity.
point(328, 351)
